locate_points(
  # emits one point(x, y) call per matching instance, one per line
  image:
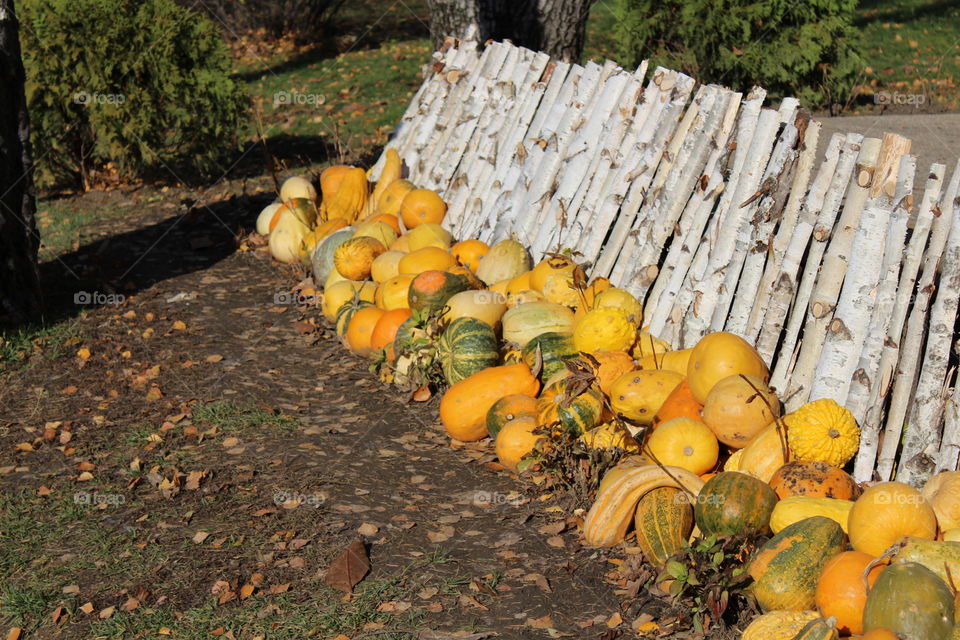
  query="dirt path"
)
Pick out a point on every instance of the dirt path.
point(936, 137)
point(197, 496)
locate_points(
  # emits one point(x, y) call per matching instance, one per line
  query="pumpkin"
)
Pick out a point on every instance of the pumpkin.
point(625, 464)
point(823, 430)
point(523, 297)
point(464, 407)
point(393, 221)
point(595, 288)
point(390, 173)
point(519, 284)
point(561, 289)
point(648, 344)
point(524, 322)
point(732, 502)
point(819, 629)
point(778, 625)
point(287, 240)
point(393, 195)
point(814, 479)
point(360, 329)
point(297, 187)
point(472, 280)
point(941, 557)
point(385, 330)
point(604, 330)
point(429, 234)
point(576, 414)
point(882, 633)
point(386, 266)
point(354, 258)
point(638, 395)
point(266, 215)
point(466, 347)
point(911, 600)
point(614, 509)
point(426, 259)
point(486, 306)
point(324, 229)
point(669, 360)
point(507, 259)
point(796, 508)
point(554, 349)
point(841, 591)
point(322, 257)
point(623, 300)
point(345, 315)
point(679, 404)
point(379, 231)
point(886, 512)
point(942, 491)
point(663, 522)
point(736, 413)
point(336, 295)
point(349, 201)
point(509, 408)
point(393, 293)
point(952, 535)
point(430, 290)
point(609, 435)
point(331, 178)
point(612, 365)
point(685, 443)
point(719, 355)
point(469, 252)
point(401, 244)
point(766, 453)
point(420, 206)
point(786, 569)
point(515, 440)
point(551, 265)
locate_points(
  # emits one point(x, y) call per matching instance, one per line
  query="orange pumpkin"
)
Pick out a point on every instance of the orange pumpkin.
point(386, 328)
point(515, 440)
point(814, 479)
point(426, 259)
point(422, 205)
point(736, 413)
point(392, 197)
point(469, 252)
point(387, 218)
point(613, 364)
point(886, 512)
point(718, 355)
point(330, 179)
point(360, 330)
point(880, 633)
point(326, 228)
point(841, 591)
point(393, 293)
point(464, 407)
point(679, 404)
point(763, 455)
point(685, 443)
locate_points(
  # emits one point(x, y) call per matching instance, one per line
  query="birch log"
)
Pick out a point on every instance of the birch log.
point(867, 455)
point(921, 441)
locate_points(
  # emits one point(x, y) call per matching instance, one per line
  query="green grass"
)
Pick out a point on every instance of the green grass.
point(231, 417)
point(52, 341)
point(64, 226)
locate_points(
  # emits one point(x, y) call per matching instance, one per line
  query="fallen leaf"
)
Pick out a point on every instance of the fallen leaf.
point(246, 591)
point(87, 608)
point(71, 588)
point(199, 537)
point(214, 358)
point(280, 588)
point(14, 633)
point(57, 614)
point(193, 480)
point(349, 568)
point(556, 541)
point(130, 604)
point(367, 529)
point(546, 622)
point(83, 353)
point(179, 325)
point(106, 613)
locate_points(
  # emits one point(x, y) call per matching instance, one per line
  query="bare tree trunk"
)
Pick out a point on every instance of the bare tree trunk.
point(19, 280)
point(556, 27)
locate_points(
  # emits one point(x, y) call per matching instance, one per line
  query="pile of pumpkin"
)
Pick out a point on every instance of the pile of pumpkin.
point(709, 451)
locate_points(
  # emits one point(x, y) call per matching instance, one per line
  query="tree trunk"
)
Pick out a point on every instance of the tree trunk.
point(19, 242)
point(556, 27)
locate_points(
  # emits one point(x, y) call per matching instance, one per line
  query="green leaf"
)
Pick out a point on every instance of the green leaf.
point(676, 570)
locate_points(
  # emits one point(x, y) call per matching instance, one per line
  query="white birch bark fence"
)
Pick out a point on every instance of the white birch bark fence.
point(714, 211)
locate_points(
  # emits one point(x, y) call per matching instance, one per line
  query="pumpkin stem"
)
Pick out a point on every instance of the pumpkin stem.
point(833, 433)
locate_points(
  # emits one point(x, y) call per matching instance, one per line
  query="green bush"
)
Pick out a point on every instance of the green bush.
point(802, 49)
point(127, 86)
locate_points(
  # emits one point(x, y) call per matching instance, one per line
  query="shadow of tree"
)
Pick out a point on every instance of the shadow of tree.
point(870, 11)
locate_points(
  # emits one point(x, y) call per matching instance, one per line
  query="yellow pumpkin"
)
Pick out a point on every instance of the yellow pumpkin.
point(386, 266)
point(339, 293)
point(594, 289)
point(736, 413)
point(942, 491)
point(559, 288)
point(670, 360)
point(516, 440)
point(500, 287)
point(484, 305)
point(718, 355)
point(469, 252)
point(354, 258)
point(506, 259)
point(297, 187)
point(648, 344)
point(886, 512)
point(623, 300)
point(393, 195)
point(392, 294)
point(522, 297)
point(685, 443)
point(637, 395)
point(518, 283)
point(401, 244)
point(823, 431)
point(608, 435)
point(426, 259)
point(551, 265)
point(606, 329)
point(764, 454)
point(377, 230)
point(429, 234)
